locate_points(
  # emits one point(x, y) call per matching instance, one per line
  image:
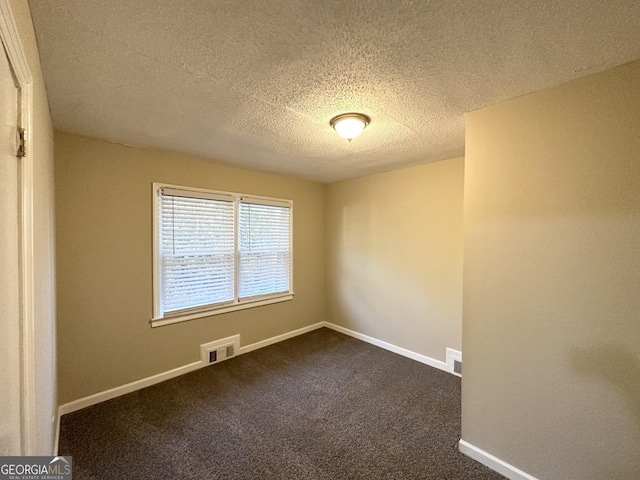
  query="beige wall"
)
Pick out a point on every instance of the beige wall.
point(43, 216)
point(551, 331)
point(104, 242)
point(394, 256)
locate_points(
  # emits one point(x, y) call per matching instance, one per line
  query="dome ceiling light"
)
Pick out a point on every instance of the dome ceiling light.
point(349, 125)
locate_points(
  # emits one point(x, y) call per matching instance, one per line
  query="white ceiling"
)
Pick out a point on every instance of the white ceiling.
point(254, 83)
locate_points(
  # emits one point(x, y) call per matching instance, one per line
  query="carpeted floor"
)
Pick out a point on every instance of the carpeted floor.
point(318, 406)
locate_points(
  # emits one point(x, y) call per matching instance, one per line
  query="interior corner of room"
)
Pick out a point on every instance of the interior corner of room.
point(519, 248)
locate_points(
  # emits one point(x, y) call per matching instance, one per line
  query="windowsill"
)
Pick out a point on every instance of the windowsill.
point(183, 317)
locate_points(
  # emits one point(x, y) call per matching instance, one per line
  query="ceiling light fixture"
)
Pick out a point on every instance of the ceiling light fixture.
point(349, 125)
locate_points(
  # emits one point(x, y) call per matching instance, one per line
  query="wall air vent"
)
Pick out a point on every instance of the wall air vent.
point(454, 361)
point(219, 350)
point(457, 367)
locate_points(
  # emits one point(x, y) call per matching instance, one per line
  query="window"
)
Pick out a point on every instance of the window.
point(216, 252)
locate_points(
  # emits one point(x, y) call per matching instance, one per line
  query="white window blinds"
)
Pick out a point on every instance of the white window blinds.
point(264, 249)
point(196, 250)
point(219, 251)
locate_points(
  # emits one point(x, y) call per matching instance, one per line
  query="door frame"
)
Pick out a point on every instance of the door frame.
point(18, 60)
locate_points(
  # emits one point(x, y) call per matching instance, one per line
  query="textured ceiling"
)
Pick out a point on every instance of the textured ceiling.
point(254, 83)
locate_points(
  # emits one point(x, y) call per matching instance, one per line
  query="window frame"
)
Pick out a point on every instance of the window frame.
point(159, 316)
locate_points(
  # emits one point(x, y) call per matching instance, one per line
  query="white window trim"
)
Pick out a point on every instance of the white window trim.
point(160, 319)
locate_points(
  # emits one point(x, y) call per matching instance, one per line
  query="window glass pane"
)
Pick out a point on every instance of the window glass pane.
point(196, 251)
point(263, 249)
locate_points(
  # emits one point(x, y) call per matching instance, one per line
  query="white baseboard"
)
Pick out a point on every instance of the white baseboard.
point(161, 377)
point(494, 463)
point(127, 388)
point(280, 338)
point(176, 372)
point(432, 362)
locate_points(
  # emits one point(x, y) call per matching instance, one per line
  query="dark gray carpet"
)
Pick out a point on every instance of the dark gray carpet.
point(318, 406)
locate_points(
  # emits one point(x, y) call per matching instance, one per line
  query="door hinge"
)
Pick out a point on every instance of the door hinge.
point(22, 143)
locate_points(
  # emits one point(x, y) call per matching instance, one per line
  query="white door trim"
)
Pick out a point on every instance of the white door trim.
point(13, 46)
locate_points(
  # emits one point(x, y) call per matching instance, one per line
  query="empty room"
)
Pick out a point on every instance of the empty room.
point(320, 240)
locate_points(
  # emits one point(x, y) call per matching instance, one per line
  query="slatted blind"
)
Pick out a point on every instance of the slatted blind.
point(264, 249)
point(197, 251)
